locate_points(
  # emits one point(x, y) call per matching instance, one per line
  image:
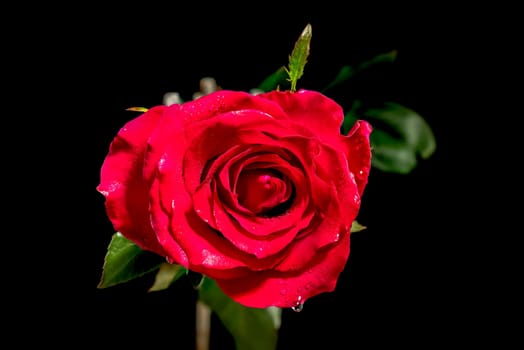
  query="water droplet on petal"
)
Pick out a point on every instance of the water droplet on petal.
point(297, 308)
point(162, 162)
point(299, 305)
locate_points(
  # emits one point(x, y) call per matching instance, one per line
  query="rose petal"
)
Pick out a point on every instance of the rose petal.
point(224, 101)
point(210, 139)
point(161, 211)
point(315, 111)
point(308, 151)
point(325, 229)
point(169, 128)
point(201, 194)
point(323, 116)
point(261, 190)
point(334, 217)
point(358, 152)
point(122, 184)
point(272, 288)
point(257, 245)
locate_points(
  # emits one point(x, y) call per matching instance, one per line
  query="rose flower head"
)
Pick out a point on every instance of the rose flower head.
point(257, 192)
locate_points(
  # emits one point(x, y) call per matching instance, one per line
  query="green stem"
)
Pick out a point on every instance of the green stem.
point(203, 326)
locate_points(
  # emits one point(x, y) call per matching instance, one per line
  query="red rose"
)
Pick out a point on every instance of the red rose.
point(255, 192)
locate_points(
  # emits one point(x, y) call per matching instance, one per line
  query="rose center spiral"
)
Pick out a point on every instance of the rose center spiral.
point(263, 191)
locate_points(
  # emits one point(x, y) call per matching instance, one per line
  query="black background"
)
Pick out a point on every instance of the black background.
point(404, 284)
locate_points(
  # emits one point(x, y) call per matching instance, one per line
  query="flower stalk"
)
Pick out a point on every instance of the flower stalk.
point(203, 325)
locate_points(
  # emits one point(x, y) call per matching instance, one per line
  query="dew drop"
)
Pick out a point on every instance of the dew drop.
point(299, 305)
point(297, 308)
point(162, 161)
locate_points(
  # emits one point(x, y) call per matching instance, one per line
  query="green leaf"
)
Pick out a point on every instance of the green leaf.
point(275, 80)
point(125, 261)
point(390, 154)
point(415, 131)
point(400, 136)
point(347, 72)
point(298, 57)
point(167, 274)
point(251, 328)
point(356, 227)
